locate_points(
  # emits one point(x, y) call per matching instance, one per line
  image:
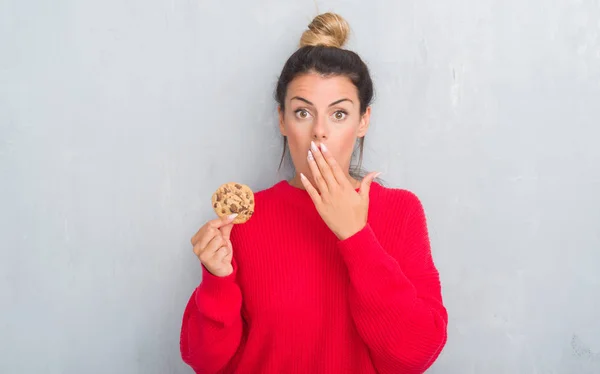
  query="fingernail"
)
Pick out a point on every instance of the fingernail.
point(310, 156)
point(302, 176)
point(376, 175)
point(323, 147)
point(314, 146)
point(232, 216)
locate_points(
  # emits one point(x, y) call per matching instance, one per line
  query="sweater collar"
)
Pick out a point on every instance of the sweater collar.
point(300, 193)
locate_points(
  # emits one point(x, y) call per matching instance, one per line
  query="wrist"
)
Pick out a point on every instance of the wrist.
point(221, 274)
point(347, 234)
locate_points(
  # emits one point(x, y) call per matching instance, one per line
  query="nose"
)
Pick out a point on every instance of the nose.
point(320, 131)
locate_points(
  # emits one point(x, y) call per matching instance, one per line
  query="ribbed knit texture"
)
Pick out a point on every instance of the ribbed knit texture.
point(302, 301)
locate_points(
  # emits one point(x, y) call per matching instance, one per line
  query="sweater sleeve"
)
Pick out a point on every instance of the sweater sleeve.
point(211, 330)
point(395, 295)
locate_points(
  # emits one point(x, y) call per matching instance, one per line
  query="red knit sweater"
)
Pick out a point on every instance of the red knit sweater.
point(302, 301)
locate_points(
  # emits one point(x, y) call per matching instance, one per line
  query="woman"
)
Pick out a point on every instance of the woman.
point(331, 274)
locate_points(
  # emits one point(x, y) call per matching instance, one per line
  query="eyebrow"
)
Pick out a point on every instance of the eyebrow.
point(309, 103)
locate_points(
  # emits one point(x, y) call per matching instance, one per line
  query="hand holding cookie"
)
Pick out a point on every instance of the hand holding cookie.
point(234, 204)
point(213, 247)
point(343, 209)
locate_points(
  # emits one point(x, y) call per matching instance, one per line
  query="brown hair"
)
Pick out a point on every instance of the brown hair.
point(321, 52)
point(328, 30)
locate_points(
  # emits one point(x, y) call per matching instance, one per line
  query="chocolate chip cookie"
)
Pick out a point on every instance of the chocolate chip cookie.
point(232, 198)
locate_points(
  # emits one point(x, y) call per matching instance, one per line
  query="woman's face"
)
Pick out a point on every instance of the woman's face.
point(323, 110)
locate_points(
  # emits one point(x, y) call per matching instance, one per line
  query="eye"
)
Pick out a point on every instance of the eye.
point(339, 115)
point(302, 113)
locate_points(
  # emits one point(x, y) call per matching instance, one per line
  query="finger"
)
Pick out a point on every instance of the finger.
point(205, 235)
point(197, 235)
point(210, 229)
point(198, 250)
point(336, 170)
point(320, 183)
point(226, 230)
point(221, 253)
point(222, 221)
point(323, 166)
point(365, 185)
point(228, 256)
point(212, 246)
point(314, 194)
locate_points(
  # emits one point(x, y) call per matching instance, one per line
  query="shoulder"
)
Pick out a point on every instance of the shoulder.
point(272, 190)
point(397, 215)
point(268, 195)
point(398, 198)
point(394, 208)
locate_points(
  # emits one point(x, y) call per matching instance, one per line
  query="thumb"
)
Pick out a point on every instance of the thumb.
point(365, 185)
point(226, 230)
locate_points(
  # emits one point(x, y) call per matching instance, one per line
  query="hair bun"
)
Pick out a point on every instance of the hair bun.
point(328, 30)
